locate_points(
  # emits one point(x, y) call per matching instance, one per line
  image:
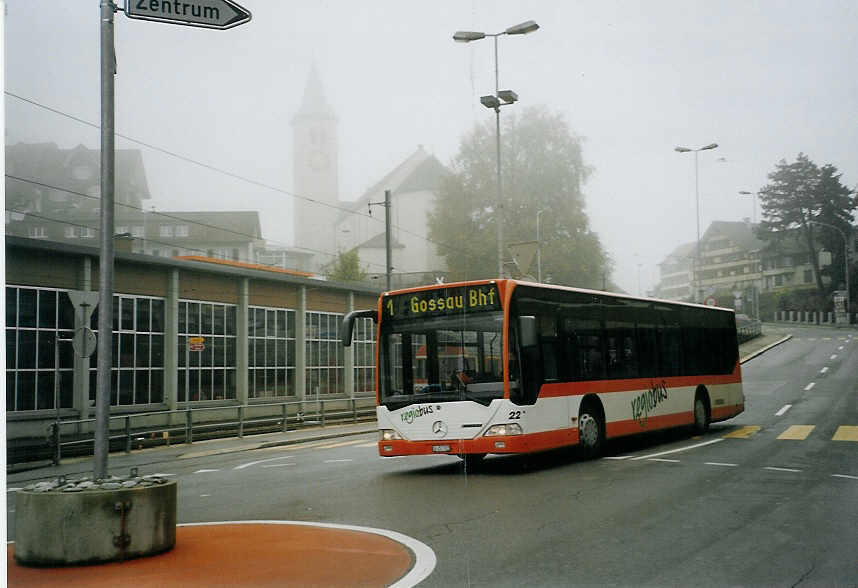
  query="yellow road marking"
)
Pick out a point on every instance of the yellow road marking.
point(797, 432)
point(846, 433)
point(743, 432)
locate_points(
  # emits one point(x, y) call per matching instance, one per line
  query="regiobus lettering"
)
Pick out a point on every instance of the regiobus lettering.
point(520, 367)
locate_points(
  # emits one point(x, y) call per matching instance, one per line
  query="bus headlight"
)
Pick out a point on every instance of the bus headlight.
point(504, 430)
point(388, 435)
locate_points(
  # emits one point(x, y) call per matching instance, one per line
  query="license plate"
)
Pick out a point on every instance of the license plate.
point(440, 448)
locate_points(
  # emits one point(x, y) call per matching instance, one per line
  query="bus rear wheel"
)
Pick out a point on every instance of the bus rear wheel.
point(590, 431)
point(701, 414)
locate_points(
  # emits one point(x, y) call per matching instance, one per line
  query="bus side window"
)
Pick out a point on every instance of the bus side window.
point(584, 348)
point(549, 343)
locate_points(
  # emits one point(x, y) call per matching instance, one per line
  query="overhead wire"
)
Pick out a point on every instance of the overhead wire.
point(239, 177)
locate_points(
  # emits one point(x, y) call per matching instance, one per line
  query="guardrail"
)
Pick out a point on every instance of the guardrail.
point(182, 425)
point(748, 331)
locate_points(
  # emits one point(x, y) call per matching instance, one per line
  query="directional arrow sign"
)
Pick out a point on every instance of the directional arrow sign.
point(210, 14)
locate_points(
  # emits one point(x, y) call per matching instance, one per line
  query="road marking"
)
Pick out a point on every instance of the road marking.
point(373, 444)
point(676, 450)
point(743, 432)
point(205, 471)
point(253, 463)
point(163, 475)
point(809, 387)
point(13, 489)
point(782, 470)
point(834, 356)
point(337, 460)
point(279, 465)
point(846, 433)
point(840, 348)
point(783, 410)
point(617, 457)
point(725, 465)
point(823, 370)
point(797, 432)
point(204, 495)
point(342, 444)
point(844, 476)
point(665, 460)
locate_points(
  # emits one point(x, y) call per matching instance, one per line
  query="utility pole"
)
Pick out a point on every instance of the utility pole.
point(105, 263)
point(387, 236)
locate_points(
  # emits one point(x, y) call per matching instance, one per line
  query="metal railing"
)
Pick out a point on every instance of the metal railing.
point(748, 331)
point(183, 425)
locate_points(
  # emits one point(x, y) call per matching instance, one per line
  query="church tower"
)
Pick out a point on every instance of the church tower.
point(315, 172)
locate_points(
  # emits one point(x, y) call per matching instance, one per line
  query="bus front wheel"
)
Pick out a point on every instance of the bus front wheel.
point(589, 432)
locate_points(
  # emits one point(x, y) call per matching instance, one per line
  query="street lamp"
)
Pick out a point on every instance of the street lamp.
point(495, 101)
point(697, 293)
point(754, 210)
point(845, 258)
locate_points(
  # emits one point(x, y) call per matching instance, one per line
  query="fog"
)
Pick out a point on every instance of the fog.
point(765, 80)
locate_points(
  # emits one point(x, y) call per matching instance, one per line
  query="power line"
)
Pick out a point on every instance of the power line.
point(237, 177)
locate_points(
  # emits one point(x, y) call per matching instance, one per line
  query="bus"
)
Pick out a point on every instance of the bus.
point(505, 366)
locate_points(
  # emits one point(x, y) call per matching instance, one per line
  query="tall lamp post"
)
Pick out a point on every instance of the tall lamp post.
point(539, 246)
point(697, 293)
point(495, 101)
point(845, 258)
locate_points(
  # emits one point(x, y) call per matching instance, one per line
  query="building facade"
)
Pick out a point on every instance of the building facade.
point(266, 336)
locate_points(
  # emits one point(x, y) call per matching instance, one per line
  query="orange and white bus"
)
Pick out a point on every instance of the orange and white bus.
point(503, 366)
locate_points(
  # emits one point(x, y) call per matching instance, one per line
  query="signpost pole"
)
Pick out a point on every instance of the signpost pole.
point(105, 266)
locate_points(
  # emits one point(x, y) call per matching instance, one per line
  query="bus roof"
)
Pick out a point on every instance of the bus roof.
point(505, 283)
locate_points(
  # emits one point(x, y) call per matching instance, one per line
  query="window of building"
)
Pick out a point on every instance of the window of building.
point(207, 373)
point(120, 229)
point(87, 233)
point(37, 233)
point(36, 318)
point(363, 344)
point(71, 233)
point(270, 352)
point(808, 276)
point(779, 280)
point(138, 231)
point(324, 373)
point(137, 375)
point(165, 230)
point(182, 230)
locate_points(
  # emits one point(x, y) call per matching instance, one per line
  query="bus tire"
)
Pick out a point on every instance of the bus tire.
point(591, 431)
point(701, 412)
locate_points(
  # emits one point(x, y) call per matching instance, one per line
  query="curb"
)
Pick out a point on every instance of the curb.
point(764, 349)
point(269, 444)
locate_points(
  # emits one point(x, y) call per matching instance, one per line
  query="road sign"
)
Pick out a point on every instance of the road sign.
point(85, 300)
point(210, 14)
point(710, 301)
point(84, 342)
point(196, 343)
point(523, 253)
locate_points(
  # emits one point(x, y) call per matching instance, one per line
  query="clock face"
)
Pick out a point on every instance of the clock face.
point(319, 161)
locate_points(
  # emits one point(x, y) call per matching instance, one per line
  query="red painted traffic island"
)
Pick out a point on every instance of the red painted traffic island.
point(250, 554)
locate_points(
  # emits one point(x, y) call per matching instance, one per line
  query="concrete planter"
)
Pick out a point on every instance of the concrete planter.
point(85, 522)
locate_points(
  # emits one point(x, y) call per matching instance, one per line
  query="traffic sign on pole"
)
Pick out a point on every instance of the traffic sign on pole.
point(210, 14)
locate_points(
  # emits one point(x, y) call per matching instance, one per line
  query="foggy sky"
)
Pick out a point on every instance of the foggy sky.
point(766, 80)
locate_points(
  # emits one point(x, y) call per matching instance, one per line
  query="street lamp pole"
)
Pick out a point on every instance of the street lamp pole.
point(539, 246)
point(754, 204)
point(495, 101)
point(697, 292)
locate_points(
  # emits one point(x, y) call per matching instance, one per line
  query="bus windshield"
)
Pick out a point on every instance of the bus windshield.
point(442, 359)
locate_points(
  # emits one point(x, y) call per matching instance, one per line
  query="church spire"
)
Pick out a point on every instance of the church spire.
point(314, 103)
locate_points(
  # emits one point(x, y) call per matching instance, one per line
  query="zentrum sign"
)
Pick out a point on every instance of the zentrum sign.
point(211, 14)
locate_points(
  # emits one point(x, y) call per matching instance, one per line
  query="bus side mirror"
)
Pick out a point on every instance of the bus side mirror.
point(527, 331)
point(349, 324)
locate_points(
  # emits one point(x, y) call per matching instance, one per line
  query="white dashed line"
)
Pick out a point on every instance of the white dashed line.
point(204, 471)
point(781, 469)
point(723, 465)
point(253, 463)
point(809, 386)
point(163, 475)
point(840, 348)
point(844, 476)
point(204, 495)
point(617, 457)
point(677, 450)
point(278, 465)
point(823, 370)
point(665, 460)
point(783, 410)
point(834, 356)
point(337, 460)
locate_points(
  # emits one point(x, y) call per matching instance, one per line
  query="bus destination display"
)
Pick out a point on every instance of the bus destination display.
point(441, 302)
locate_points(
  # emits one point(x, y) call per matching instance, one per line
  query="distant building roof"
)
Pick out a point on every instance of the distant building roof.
point(741, 233)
